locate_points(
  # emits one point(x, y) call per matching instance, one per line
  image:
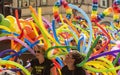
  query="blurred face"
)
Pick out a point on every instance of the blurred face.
point(73, 43)
point(99, 45)
point(38, 52)
point(69, 60)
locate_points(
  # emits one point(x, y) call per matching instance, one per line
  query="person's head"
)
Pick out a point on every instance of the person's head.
point(73, 43)
point(99, 45)
point(39, 50)
point(74, 57)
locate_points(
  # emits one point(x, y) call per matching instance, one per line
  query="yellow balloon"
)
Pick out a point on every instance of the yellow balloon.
point(11, 19)
point(101, 65)
point(4, 62)
point(34, 29)
point(5, 28)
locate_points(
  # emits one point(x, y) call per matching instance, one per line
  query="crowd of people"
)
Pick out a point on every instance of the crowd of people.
point(65, 43)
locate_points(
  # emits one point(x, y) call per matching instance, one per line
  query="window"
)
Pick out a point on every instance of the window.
point(68, 1)
point(6, 2)
point(104, 3)
point(20, 3)
point(78, 1)
point(43, 2)
point(33, 3)
point(75, 1)
point(27, 3)
point(38, 2)
point(9, 1)
point(23, 3)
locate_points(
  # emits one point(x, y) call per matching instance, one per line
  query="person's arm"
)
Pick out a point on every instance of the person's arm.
point(53, 71)
point(29, 69)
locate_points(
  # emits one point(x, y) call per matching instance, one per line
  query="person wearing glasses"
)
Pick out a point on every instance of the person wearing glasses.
point(41, 65)
point(71, 59)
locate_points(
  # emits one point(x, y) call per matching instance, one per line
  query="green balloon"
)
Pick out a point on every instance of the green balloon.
point(3, 34)
point(1, 18)
point(6, 23)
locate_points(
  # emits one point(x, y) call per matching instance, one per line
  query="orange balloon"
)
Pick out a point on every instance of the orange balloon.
point(29, 32)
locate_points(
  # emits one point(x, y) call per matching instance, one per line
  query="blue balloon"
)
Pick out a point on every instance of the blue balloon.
point(54, 31)
point(60, 62)
point(4, 31)
point(89, 23)
point(67, 44)
point(20, 52)
point(82, 38)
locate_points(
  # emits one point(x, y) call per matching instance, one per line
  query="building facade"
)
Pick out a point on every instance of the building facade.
point(47, 6)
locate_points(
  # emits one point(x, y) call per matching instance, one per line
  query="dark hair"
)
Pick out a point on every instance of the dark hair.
point(73, 40)
point(77, 56)
point(100, 41)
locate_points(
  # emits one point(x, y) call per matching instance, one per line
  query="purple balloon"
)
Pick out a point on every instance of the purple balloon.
point(47, 22)
point(105, 53)
point(17, 40)
point(6, 51)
